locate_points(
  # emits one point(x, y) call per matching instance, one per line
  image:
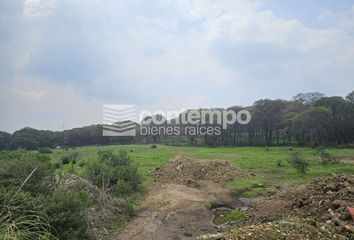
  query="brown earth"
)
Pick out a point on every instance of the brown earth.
point(313, 211)
point(175, 207)
point(322, 201)
point(289, 230)
point(182, 168)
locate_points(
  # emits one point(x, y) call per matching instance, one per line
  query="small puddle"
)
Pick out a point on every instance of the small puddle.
point(220, 215)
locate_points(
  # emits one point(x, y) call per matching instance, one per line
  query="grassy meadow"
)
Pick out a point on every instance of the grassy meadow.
point(269, 164)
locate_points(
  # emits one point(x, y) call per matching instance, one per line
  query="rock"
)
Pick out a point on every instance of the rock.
point(171, 216)
point(285, 223)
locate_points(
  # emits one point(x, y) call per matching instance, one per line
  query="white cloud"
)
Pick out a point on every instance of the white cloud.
point(167, 54)
point(31, 95)
point(38, 8)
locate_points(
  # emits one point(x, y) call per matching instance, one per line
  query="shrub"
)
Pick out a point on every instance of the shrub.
point(109, 168)
point(299, 163)
point(14, 172)
point(326, 158)
point(56, 165)
point(22, 216)
point(66, 210)
point(279, 163)
point(65, 160)
point(153, 146)
point(117, 174)
point(72, 158)
point(45, 150)
point(28, 225)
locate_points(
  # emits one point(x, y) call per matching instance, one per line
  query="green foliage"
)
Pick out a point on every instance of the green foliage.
point(299, 163)
point(312, 126)
point(280, 163)
point(124, 188)
point(5, 139)
point(310, 119)
point(210, 204)
point(71, 158)
point(111, 168)
point(24, 155)
point(117, 174)
point(32, 139)
point(22, 216)
point(45, 150)
point(31, 207)
point(66, 210)
point(350, 97)
point(18, 166)
point(236, 215)
point(29, 225)
point(326, 158)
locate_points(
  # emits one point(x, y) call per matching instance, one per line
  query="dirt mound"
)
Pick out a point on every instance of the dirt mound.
point(182, 169)
point(324, 201)
point(290, 230)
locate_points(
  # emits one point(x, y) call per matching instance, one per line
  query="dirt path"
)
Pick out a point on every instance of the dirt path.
point(174, 211)
point(175, 207)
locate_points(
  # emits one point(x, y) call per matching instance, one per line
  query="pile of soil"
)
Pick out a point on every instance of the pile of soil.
point(290, 230)
point(323, 201)
point(182, 169)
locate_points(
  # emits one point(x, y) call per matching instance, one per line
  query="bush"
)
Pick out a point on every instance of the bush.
point(27, 225)
point(14, 172)
point(109, 168)
point(153, 146)
point(280, 163)
point(326, 158)
point(299, 163)
point(65, 160)
point(45, 150)
point(117, 174)
point(72, 158)
point(66, 210)
point(23, 216)
point(30, 209)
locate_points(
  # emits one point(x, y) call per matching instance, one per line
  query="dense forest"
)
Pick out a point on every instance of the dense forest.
point(309, 119)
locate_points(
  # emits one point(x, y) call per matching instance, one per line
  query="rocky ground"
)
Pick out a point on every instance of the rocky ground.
point(289, 230)
point(322, 201)
point(314, 211)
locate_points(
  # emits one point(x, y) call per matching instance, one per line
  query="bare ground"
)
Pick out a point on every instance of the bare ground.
point(175, 208)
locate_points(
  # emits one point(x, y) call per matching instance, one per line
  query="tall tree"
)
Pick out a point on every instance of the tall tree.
point(308, 98)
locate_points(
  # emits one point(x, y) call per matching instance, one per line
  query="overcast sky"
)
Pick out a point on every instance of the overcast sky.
point(61, 60)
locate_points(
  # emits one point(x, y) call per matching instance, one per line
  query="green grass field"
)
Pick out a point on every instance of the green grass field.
point(270, 165)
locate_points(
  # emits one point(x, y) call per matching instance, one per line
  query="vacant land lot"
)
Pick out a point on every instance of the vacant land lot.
point(269, 165)
point(158, 192)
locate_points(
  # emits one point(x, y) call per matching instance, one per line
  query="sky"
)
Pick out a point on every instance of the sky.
point(60, 60)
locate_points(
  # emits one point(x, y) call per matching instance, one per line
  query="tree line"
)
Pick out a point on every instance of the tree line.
point(309, 119)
